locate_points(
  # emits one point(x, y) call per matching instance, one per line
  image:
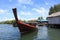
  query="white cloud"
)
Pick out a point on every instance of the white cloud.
point(2, 11)
point(25, 1)
point(5, 19)
point(49, 2)
point(25, 13)
point(7, 12)
point(32, 19)
point(40, 10)
point(29, 19)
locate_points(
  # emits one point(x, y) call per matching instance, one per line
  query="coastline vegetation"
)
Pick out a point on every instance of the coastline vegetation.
point(7, 22)
point(14, 21)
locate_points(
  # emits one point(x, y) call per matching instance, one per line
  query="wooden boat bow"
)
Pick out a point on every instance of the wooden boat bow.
point(22, 26)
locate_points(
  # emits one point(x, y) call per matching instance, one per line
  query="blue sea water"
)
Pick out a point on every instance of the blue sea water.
point(8, 32)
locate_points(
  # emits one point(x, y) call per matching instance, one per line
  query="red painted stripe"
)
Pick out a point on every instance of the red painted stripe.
point(27, 25)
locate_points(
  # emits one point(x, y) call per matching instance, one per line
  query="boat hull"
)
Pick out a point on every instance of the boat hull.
point(25, 28)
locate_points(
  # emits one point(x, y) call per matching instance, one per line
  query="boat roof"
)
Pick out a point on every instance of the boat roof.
point(42, 20)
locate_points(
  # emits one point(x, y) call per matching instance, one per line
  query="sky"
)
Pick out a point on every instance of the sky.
point(26, 9)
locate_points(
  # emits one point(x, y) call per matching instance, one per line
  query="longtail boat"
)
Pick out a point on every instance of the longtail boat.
point(24, 28)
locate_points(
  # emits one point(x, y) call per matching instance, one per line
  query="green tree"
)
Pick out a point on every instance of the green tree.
point(51, 10)
point(55, 8)
point(40, 18)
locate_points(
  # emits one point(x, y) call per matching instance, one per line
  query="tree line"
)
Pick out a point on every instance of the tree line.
point(14, 21)
point(54, 9)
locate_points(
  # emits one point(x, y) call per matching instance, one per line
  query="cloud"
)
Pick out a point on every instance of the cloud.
point(49, 2)
point(5, 12)
point(6, 18)
point(25, 13)
point(2, 11)
point(5, 15)
point(25, 1)
point(40, 10)
point(32, 19)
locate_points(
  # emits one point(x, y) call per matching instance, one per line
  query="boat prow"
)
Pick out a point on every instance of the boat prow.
point(24, 28)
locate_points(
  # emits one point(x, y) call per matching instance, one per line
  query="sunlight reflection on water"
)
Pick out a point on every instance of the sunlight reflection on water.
point(42, 33)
